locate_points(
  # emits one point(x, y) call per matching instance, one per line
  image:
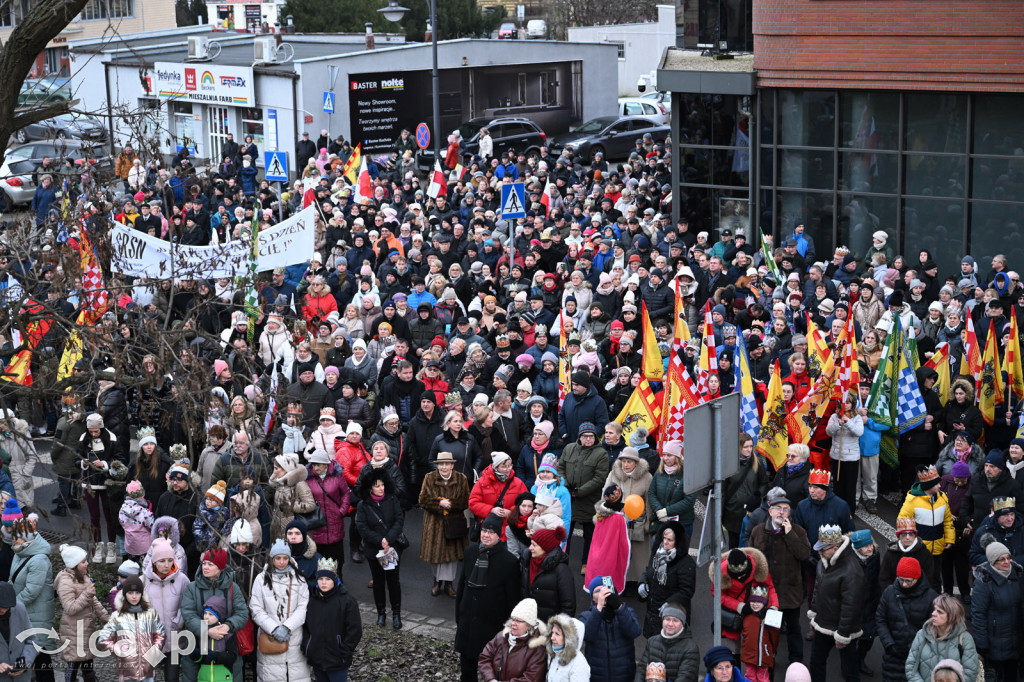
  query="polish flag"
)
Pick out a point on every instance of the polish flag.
point(364, 186)
point(458, 173)
point(437, 184)
point(545, 198)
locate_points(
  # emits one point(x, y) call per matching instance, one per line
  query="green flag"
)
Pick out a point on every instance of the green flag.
point(252, 307)
point(769, 260)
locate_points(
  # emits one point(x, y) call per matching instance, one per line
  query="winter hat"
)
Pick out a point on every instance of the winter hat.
point(318, 456)
point(147, 434)
point(161, 548)
point(908, 567)
point(327, 413)
point(498, 457)
point(525, 385)
point(548, 463)
point(135, 490)
point(12, 512)
point(388, 413)
point(280, 547)
point(716, 655)
point(638, 438)
point(177, 470)
point(331, 369)
point(526, 611)
point(72, 555)
point(961, 470)
point(525, 359)
point(996, 458)
point(1019, 442)
point(132, 584)
point(595, 583)
point(927, 476)
point(545, 497)
point(994, 550)
point(241, 532)
point(219, 366)
point(673, 447)
point(504, 373)
point(493, 523)
point(217, 492)
point(548, 538)
point(549, 357)
point(966, 435)
point(797, 672)
point(629, 453)
point(860, 538)
point(547, 427)
point(217, 605)
point(298, 548)
point(216, 556)
point(353, 427)
point(588, 427)
point(128, 568)
point(738, 565)
point(94, 421)
point(581, 378)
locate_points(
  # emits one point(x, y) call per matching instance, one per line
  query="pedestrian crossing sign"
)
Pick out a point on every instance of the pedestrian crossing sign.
point(276, 165)
point(513, 201)
point(328, 102)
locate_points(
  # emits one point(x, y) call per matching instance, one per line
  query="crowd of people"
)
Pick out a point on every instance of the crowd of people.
point(229, 455)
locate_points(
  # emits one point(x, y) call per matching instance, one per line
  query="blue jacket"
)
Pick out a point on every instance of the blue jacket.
point(249, 180)
point(871, 439)
point(546, 386)
point(41, 202)
point(990, 531)
point(609, 644)
point(563, 496)
point(576, 410)
point(832, 510)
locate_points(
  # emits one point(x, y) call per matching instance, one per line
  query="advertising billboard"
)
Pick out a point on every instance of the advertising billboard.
point(380, 105)
point(205, 83)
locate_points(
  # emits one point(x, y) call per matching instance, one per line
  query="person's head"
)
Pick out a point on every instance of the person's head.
point(906, 532)
point(998, 556)
point(1003, 510)
point(240, 443)
point(908, 572)
point(797, 453)
point(213, 562)
point(612, 433)
point(673, 619)
point(779, 509)
point(720, 662)
point(947, 613)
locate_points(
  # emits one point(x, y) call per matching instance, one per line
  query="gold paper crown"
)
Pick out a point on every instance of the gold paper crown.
point(1004, 503)
point(830, 535)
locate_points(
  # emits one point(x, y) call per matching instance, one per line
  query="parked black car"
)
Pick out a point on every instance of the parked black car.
point(613, 136)
point(71, 125)
point(508, 133)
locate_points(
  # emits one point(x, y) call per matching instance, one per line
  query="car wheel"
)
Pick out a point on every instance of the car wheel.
point(533, 153)
point(5, 202)
point(595, 150)
point(21, 136)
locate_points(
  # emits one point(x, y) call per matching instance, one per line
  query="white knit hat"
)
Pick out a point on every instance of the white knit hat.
point(353, 427)
point(241, 532)
point(498, 457)
point(72, 555)
point(526, 611)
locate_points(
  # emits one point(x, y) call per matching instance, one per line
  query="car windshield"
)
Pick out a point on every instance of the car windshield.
point(507, 27)
point(596, 125)
point(470, 131)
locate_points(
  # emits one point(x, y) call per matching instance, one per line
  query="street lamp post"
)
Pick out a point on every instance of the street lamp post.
point(394, 13)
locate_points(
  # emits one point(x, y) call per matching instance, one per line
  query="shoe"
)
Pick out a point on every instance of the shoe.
point(59, 510)
point(436, 589)
point(396, 621)
point(583, 571)
point(451, 590)
point(113, 555)
point(74, 504)
point(55, 500)
point(357, 557)
point(871, 507)
point(382, 619)
point(98, 553)
point(865, 670)
point(369, 585)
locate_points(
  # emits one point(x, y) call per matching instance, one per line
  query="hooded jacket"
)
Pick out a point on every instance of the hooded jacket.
point(735, 592)
point(929, 654)
point(583, 470)
point(525, 660)
point(554, 587)
point(333, 496)
point(578, 409)
point(198, 592)
point(996, 612)
point(569, 664)
point(678, 584)
point(991, 531)
point(32, 580)
point(933, 517)
point(281, 599)
point(132, 635)
point(332, 646)
point(165, 595)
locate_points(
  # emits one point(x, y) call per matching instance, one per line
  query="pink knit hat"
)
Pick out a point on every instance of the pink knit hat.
point(162, 550)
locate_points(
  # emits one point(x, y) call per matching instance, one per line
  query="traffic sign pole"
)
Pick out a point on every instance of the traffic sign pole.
point(716, 456)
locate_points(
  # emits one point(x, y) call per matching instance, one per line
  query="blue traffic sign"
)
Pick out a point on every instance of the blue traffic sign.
point(328, 102)
point(513, 201)
point(276, 166)
point(422, 136)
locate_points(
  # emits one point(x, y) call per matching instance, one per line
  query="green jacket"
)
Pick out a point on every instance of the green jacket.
point(32, 579)
point(666, 492)
point(201, 589)
point(584, 471)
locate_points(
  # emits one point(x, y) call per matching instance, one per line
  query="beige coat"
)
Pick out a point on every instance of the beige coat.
point(80, 605)
point(291, 496)
point(639, 539)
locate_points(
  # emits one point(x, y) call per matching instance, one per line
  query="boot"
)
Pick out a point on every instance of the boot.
point(59, 510)
point(396, 620)
point(382, 619)
point(113, 555)
point(357, 556)
point(98, 553)
point(451, 589)
point(436, 589)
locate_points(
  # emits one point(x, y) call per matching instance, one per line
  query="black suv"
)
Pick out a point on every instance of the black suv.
point(509, 133)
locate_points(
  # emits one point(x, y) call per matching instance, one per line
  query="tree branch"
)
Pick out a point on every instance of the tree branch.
point(37, 114)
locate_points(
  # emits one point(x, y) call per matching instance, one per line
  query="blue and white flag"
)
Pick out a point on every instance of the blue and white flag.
point(749, 420)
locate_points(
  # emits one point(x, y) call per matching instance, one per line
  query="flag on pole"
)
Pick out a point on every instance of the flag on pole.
point(939, 361)
point(1013, 365)
point(880, 398)
point(364, 185)
point(351, 167)
point(684, 395)
point(809, 412)
point(252, 301)
point(820, 360)
point(970, 362)
point(708, 362)
point(640, 410)
point(545, 198)
point(915, 361)
point(563, 362)
point(438, 186)
point(769, 260)
point(849, 367)
point(745, 384)
point(773, 440)
point(910, 406)
point(457, 174)
point(654, 368)
point(268, 421)
point(990, 387)
point(19, 369)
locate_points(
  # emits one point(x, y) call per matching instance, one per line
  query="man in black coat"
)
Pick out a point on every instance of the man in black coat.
point(996, 482)
point(903, 609)
point(488, 590)
point(423, 429)
point(305, 150)
point(919, 445)
point(836, 605)
point(658, 296)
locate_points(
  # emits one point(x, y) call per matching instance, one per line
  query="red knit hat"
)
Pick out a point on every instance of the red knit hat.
point(439, 341)
point(219, 558)
point(548, 538)
point(908, 567)
point(617, 324)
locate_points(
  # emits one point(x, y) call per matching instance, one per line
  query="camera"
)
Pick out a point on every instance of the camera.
point(641, 85)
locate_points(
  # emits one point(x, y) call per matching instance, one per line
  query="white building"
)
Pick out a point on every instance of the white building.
point(640, 46)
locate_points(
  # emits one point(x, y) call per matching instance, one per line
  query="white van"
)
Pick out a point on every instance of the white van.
point(537, 28)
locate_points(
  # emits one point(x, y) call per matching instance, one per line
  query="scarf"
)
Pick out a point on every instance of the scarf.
point(665, 635)
point(907, 550)
point(671, 469)
point(376, 498)
point(377, 465)
point(661, 561)
point(1014, 468)
point(613, 346)
point(135, 608)
point(793, 468)
point(478, 573)
point(962, 456)
point(535, 563)
point(500, 476)
point(1005, 574)
point(539, 447)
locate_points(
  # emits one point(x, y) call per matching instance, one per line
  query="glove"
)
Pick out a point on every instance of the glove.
point(281, 633)
point(642, 590)
point(662, 515)
point(742, 608)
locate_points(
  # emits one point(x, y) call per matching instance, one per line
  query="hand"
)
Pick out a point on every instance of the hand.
point(500, 511)
point(15, 673)
point(280, 633)
point(642, 590)
point(445, 504)
point(840, 646)
point(949, 545)
point(862, 411)
point(97, 463)
point(219, 632)
point(384, 544)
point(741, 608)
point(5, 667)
point(942, 434)
point(662, 515)
point(787, 525)
point(968, 530)
point(959, 426)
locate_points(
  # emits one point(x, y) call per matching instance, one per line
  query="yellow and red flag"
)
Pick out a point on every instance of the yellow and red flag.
point(773, 441)
point(1013, 364)
point(680, 392)
point(970, 362)
point(708, 363)
point(939, 361)
point(990, 386)
point(563, 362)
point(820, 360)
point(654, 368)
point(351, 166)
point(19, 369)
point(640, 410)
point(849, 367)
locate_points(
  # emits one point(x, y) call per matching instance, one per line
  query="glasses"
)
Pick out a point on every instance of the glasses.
point(1005, 557)
point(906, 581)
point(792, 456)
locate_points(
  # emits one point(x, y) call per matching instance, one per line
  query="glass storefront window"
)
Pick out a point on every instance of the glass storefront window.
point(936, 123)
point(806, 169)
point(998, 179)
point(935, 224)
point(996, 228)
point(814, 211)
point(712, 119)
point(876, 172)
point(935, 176)
point(869, 120)
point(807, 118)
point(997, 128)
point(860, 216)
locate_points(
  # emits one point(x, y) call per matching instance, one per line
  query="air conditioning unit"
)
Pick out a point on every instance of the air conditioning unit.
point(198, 47)
point(265, 49)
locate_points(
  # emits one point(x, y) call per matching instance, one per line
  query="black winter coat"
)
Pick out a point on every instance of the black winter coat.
point(794, 484)
point(835, 605)
point(481, 610)
point(421, 434)
point(893, 554)
point(332, 646)
point(978, 503)
point(996, 612)
point(353, 409)
point(678, 587)
point(873, 594)
point(660, 301)
point(112, 404)
point(464, 449)
point(379, 520)
point(901, 613)
point(554, 588)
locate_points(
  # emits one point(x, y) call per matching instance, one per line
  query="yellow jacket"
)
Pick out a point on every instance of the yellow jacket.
point(933, 518)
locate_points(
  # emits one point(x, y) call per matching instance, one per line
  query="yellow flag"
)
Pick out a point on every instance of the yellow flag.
point(939, 361)
point(681, 330)
point(1014, 368)
point(351, 167)
point(820, 360)
point(654, 368)
point(991, 384)
point(639, 410)
point(72, 351)
point(773, 440)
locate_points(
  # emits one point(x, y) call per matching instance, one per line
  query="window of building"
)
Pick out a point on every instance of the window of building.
point(6, 15)
point(57, 61)
point(548, 87)
point(252, 124)
point(183, 126)
point(620, 47)
point(108, 9)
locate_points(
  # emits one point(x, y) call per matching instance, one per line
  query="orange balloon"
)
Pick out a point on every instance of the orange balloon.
point(633, 506)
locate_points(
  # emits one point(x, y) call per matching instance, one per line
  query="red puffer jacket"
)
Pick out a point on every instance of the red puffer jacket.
point(352, 459)
point(484, 496)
